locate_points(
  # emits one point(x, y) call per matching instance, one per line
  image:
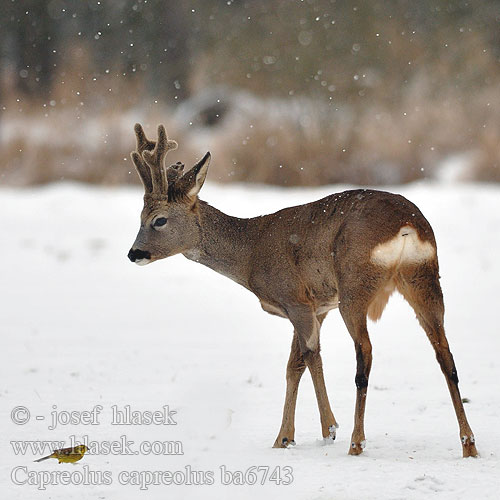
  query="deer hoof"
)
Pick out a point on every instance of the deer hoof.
point(283, 443)
point(357, 448)
point(469, 446)
point(332, 434)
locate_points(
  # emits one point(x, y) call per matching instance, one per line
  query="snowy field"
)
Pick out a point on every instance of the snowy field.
point(81, 326)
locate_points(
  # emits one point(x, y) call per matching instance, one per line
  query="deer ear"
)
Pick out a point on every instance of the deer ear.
point(191, 182)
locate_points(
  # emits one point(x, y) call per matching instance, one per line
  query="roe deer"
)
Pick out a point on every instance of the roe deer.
point(350, 250)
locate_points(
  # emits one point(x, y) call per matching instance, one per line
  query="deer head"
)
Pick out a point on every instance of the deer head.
point(170, 218)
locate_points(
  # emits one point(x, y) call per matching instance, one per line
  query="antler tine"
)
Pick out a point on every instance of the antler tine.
point(156, 159)
point(174, 172)
point(143, 144)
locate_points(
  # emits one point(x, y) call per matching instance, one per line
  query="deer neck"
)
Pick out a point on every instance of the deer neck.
point(224, 244)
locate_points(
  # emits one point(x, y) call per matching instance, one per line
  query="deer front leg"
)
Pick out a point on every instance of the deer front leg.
point(294, 371)
point(305, 347)
point(328, 423)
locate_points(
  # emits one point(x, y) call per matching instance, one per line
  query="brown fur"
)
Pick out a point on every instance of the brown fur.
point(350, 250)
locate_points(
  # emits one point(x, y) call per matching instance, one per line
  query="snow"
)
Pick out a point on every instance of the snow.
point(82, 326)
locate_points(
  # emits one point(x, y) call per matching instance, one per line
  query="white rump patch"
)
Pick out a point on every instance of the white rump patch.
point(406, 246)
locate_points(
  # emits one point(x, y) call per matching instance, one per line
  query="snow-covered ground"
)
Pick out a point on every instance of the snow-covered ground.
point(81, 326)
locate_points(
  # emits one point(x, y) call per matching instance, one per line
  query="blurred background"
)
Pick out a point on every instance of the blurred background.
point(283, 92)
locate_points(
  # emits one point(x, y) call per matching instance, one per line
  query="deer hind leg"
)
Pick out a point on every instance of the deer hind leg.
point(356, 295)
point(356, 324)
point(419, 284)
point(294, 370)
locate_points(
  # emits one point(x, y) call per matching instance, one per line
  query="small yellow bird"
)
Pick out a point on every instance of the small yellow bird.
point(67, 455)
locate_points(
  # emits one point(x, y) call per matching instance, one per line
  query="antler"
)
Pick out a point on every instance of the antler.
point(149, 159)
point(174, 172)
point(143, 144)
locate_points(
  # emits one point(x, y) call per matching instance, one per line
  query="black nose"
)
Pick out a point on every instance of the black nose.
point(134, 255)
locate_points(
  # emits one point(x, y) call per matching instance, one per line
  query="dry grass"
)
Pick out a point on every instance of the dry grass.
point(287, 142)
point(380, 93)
point(304, 142)
point(40, 148)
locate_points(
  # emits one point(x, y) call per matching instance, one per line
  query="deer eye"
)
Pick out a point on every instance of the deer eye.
point(161, 221)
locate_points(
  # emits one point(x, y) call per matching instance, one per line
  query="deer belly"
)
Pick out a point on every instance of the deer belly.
point(327, 306)
point(272, 309)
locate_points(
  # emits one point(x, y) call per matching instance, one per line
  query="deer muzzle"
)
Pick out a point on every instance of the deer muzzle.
point(140, 257)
